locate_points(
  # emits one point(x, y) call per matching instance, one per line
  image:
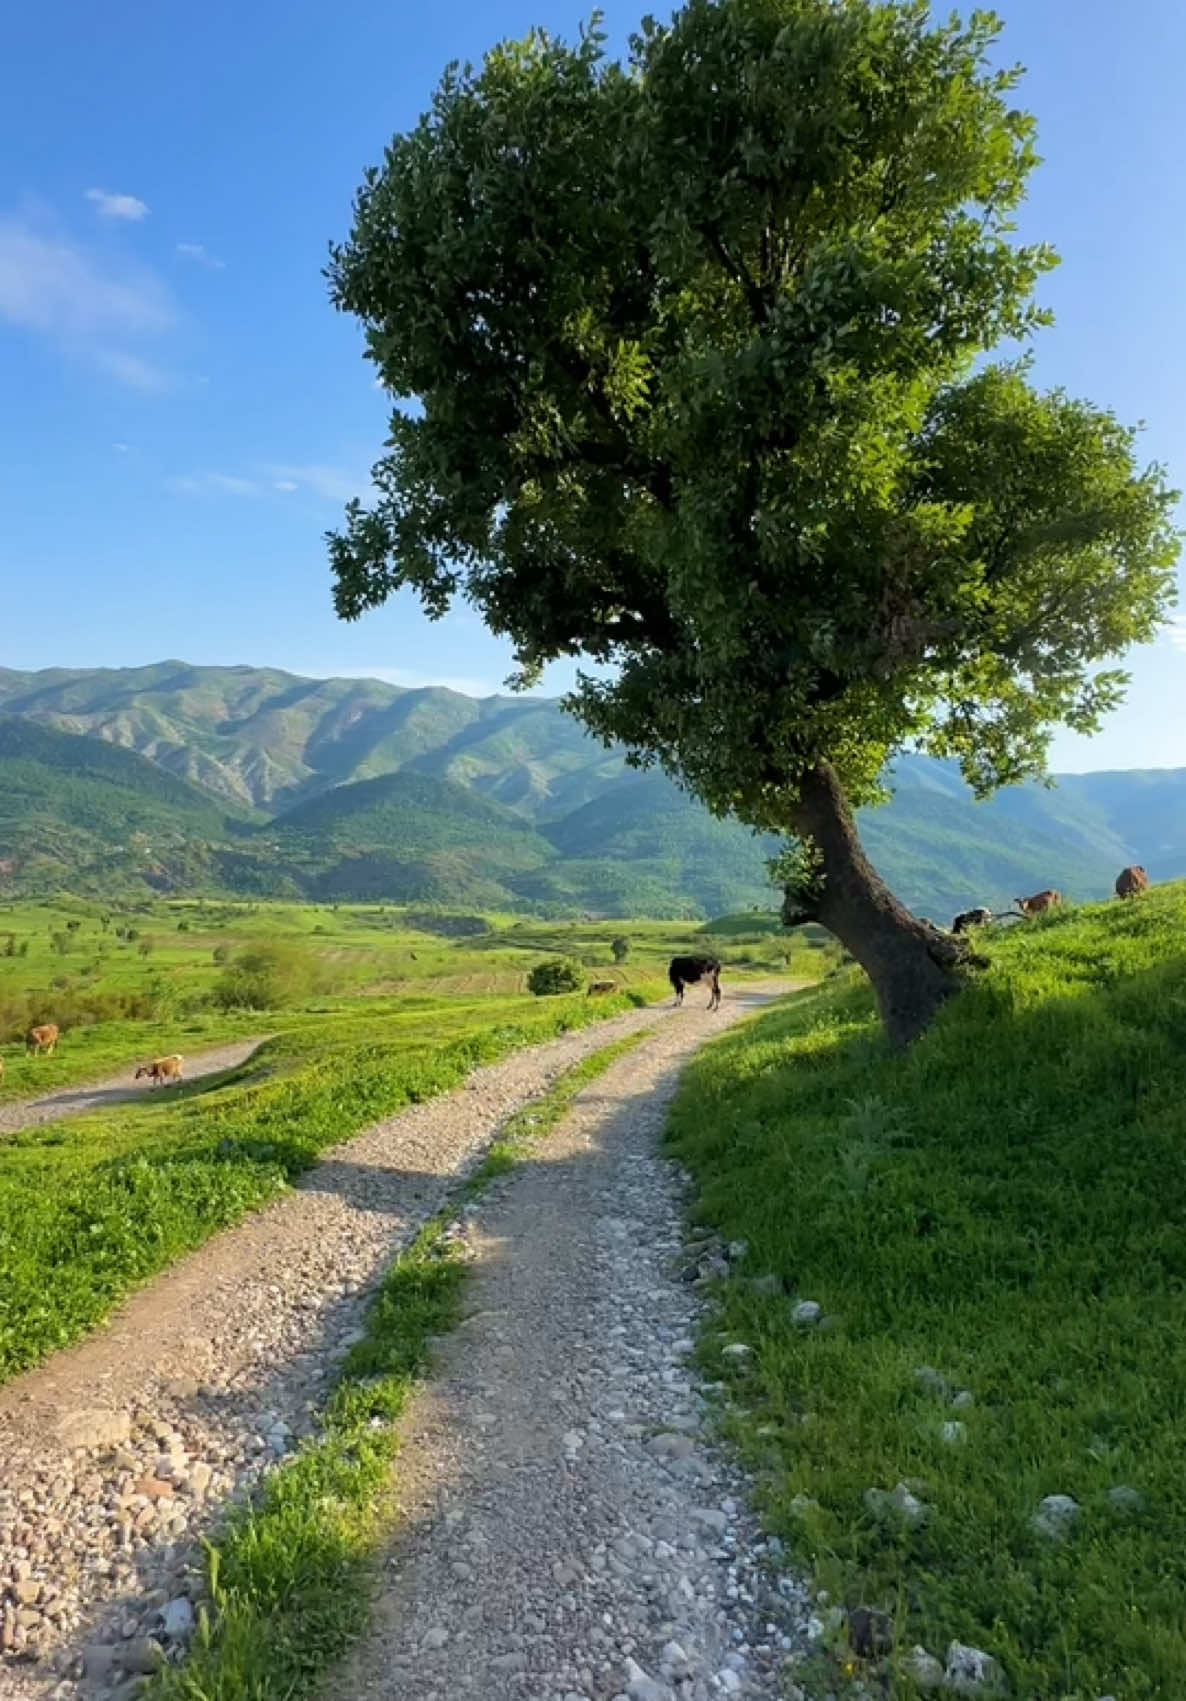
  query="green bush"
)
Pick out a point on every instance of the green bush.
point(272, 974)
point(558, 974)
point(620, 948)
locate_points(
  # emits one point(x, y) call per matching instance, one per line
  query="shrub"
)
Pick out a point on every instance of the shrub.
point(268, 975)
point(558, 974)
point(620, 948)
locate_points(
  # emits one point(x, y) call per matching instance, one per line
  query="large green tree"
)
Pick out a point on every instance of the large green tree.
point(695, 343)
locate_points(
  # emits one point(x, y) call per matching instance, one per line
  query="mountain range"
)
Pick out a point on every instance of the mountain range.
point(254, 781)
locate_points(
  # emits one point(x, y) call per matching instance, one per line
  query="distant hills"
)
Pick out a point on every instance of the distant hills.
point(253, 781)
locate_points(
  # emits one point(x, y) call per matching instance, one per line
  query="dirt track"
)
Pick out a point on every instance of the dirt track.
point(116, 1089)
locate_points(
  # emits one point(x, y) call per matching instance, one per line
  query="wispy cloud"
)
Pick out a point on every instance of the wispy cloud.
point(329, 483)
point(470, 685)
point(102, 310)
point(196, 252)
point(224, 484)
point(110, 206)
point(335, 484)
point(133, 370)
point(120, 448)
point(1175, 631)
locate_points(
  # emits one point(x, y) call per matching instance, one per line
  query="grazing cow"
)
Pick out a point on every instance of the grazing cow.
point(1131, 882)
point(686, 971)
point(1039, 903)
point(598, 988)
point(162, 1069)
point(42, 1038)
point(971, 918)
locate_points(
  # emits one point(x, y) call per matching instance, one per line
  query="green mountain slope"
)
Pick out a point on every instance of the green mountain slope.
point(406, 837)
point(77, 810)
point(504, 801)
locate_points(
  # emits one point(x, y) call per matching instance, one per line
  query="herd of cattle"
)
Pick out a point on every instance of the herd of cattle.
point(1130, 883)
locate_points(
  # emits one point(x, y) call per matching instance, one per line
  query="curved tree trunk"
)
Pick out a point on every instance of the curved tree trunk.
point(913, 967)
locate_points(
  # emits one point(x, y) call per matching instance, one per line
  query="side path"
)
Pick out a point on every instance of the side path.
point(118, 1453)
point(566, 1533)
point(116, 1089)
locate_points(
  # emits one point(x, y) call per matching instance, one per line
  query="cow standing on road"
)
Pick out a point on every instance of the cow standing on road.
point(687, 971)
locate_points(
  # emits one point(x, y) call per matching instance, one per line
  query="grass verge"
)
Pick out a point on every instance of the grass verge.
point(290, 1578)
point(92, 1207)
point(1003, 1206)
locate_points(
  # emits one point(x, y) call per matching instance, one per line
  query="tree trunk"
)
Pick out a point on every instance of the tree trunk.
point(912, 966)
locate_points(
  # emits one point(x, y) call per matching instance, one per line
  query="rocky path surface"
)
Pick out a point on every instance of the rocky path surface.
point(118, 1454)
point(117, 1089)
point(566, 1532)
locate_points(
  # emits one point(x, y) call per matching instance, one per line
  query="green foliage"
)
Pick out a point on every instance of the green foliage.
point(620, 949)
point(697, 345)
point(1001, 1204)
point(272, 974)
point(559, 974)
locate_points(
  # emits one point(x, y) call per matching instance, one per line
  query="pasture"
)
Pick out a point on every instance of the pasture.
point(366, 1009)
point(156, 977)
point(992, 1226)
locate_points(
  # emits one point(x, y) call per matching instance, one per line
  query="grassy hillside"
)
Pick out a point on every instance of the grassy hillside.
point(993, 1226)
point(74, 807)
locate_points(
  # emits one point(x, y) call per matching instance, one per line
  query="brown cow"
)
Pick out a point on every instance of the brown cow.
point(1131, 882)
point(42, 1038)
point(162, 1069)
point(1039, 903)
point(598, 988)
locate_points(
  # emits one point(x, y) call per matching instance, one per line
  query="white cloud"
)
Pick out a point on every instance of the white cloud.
point(91, 307)
point(120, 448)
point(332, 484)
point(225, 484)
point(197, 253)
point(118, 206)
point(335, 484)
point(1175, 631)
point(470, 685)
point(132, 370)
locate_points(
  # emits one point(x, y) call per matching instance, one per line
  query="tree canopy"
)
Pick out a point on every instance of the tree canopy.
point(698, 346)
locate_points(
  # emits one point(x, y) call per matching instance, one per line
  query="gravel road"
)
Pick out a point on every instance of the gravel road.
point(535, 1445)
point(566, 1531)
point(117, 1089)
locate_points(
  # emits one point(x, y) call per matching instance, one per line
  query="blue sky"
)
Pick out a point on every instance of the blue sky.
point(185, 414)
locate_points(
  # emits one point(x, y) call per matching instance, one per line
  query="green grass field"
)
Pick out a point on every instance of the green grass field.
point(137, 982)
point(1005, 1205)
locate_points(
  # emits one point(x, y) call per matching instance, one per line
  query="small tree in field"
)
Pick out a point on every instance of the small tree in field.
point(620, 949)
point(558, 974)
point(697, 349)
